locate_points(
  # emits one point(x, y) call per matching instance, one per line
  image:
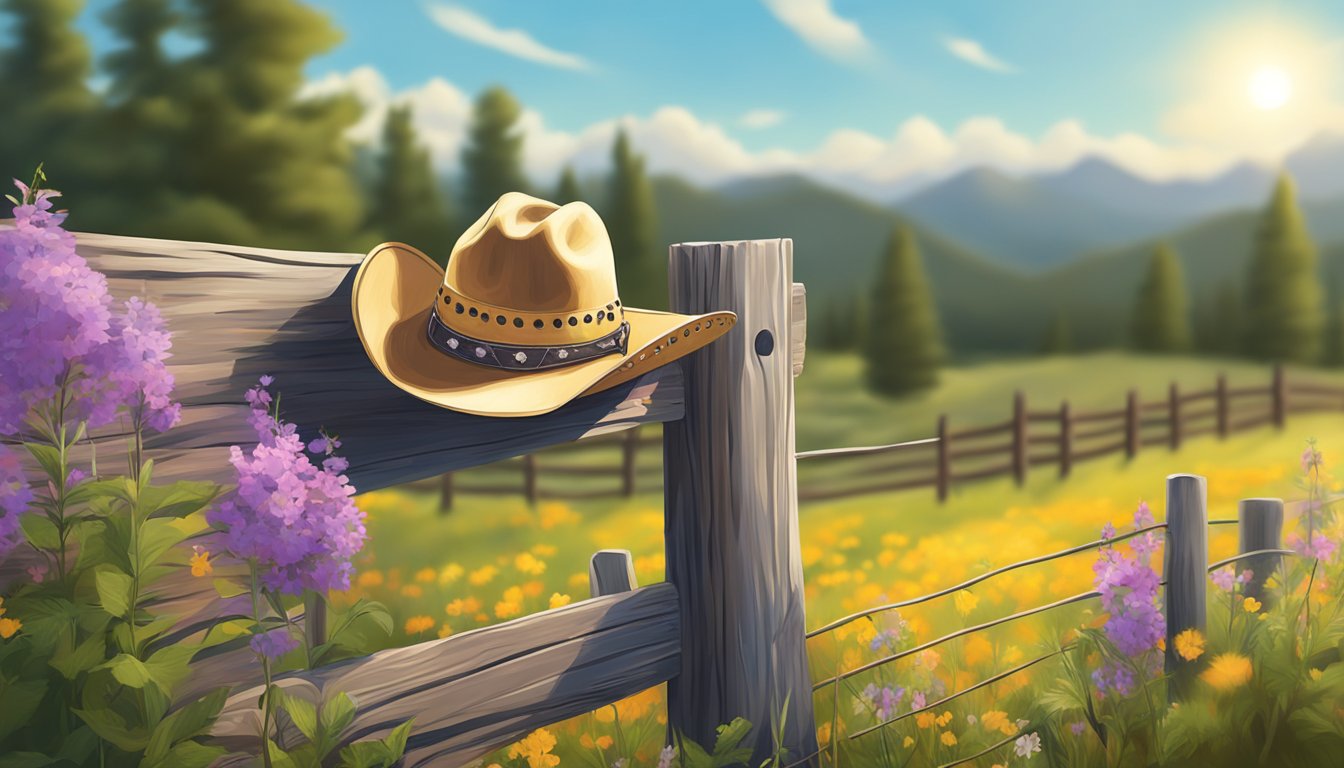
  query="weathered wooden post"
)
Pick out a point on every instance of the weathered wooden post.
point(944, 459)
point(732, 506)
point(1019, 437)
point(1185, 569)
point(1065, 440)
point(610, 572)
point(629, 454)
point(1131, 424)
point(1220, 408)
point(446, 492)
point(1173, 417)
point(530, 478)
point(1278, 397)
point(1261, 525)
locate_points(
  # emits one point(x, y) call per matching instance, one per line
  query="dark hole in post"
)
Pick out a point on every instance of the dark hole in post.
point(765, 343)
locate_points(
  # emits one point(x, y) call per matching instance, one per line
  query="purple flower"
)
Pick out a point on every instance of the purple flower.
point(1113, 677)
point(1224, 578)
point(1321, 547)
point(917, 700)
point(273, 644)
point(1128, 586)
point(14, 498)
point(881, 701)
point(129, 372)
point(1077, 727)
point(1107, 532)
point(324, 445)
point(297, 520)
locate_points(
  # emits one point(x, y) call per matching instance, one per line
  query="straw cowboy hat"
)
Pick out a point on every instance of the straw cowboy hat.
point(525, 319)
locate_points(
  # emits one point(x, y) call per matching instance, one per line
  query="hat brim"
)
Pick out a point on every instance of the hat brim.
point(392, 296)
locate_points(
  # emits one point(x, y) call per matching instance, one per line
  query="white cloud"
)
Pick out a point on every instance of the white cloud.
point(761, 118)
point(819, 26)
point(972, 52)
point(515, 42)
point(675, 140)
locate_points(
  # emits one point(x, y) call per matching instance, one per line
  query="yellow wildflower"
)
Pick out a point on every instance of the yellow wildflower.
point(9, 626)
point(965, 602)
point(371, 578)
point(450, 573)
point(558, 600)
point(909, 742)
point(555, 513)
point(543, 550)
point(417, 624)
point(1315, 674)
point(505, 609)
point(481, 618)
point(533, 588)
point(944, 719)
point(455, 608)
point(925, 720)
point(200, 563)
point(1250, 605)
point(949, 738)
point(1228, 671)
point(426, 575)
point(526, 562)
point(824, 734)
point(605, 715)
point(604, 742)
point(997, 720)
point(536, 749)
point(1190, 644)
point(482, 576)
point(1012, 654)
point(2, 606)
point(977, 649)
point(445, 631)
point(412, 590)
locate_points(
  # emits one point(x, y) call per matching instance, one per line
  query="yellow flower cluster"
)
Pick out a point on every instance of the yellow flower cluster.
point(536, 748)
point(1190, 644)
point(1228, 671)
point(417, 624)
point(8, 624)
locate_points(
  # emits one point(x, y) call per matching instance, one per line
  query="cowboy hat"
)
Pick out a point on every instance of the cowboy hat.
point(525, 318)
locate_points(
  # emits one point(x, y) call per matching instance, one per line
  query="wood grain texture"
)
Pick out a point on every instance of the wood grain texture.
point(475, 692)
point(1261, 527)
point(611, 572)
point(237, 313)
point(730, 489)
point(798, 327)
point(1186, 563)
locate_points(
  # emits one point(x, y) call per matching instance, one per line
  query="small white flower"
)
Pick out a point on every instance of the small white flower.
point(1027, 745)
point(666, 756)
point(520, 357)
point(452, 343)
point(562, 354)
point(480, 351)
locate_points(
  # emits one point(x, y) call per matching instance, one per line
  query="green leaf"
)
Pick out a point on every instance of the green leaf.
point(78, 746)
point(157, 536)
point(726, 751)
point(129, 671)
point(366, 754)
point(87, 655)
point(25, 760)
point(693, 755)
point(227, 588)
point(396, 740)
point(177, 500)
point(21, 698)
point(171, 665)
point(302, 712)
point(114, 591)
point(188, 722)
point(41, 532)
point(338, 713)
point(111, 727)
point(189, 754)
point(279, 758)
point(49, 458)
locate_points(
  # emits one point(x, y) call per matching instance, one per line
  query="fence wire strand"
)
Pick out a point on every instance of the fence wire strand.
point(1252, 553)
point(862, 450)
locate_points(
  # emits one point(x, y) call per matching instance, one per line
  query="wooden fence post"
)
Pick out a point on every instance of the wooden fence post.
point(446, 492)
point(1065, 440)
point(1220, 407)
point(731, 500)
point(944, 460)
point(610, 572)
point(1019, 437)
point(315, 619)
point(1278, 397)
point(530, 478)
point(1131, 424)
point(1173, 417)
point(629, 452)
point(1186, 570)
point(1261, 525)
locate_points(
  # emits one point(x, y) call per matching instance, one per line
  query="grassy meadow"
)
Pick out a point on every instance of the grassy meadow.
point(496, 558)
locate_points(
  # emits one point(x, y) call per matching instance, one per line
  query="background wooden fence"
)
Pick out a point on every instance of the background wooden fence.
point(620, 465)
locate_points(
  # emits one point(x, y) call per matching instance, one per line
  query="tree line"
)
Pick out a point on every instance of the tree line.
point(1279, 312)
point(218, 143)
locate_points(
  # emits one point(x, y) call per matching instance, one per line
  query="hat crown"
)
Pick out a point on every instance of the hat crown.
point(532, 255)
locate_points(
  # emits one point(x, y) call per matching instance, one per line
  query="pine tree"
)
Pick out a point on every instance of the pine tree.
point(493, 157)
point(904, 342)
point(407, 204)
point(1284, 315)
point(632, 224)
point(1334, 330)
point(1058, 335)
point(1227, 318)
point(44, 94)
point(568, 191)
point(1161, 320)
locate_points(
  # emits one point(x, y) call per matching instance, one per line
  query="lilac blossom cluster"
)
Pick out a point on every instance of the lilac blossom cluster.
point(273, 644)
point(1128, 586)
point(59, 327)
point(1320, 547)
point(1228, 580)
point(881, 701)
point(295, 518)
point(14, 497)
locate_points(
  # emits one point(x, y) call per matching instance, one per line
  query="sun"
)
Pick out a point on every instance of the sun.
point(1269, 88)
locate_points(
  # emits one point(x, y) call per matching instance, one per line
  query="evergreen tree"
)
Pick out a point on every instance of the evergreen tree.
point(1058, 335)
point(1284, 315)
point(568, 191)
point(1226, 333)
point(44, 92)
point(493, 156)
point(1161, 320)
point(407, 204)
point(1334, 331)
point(632, 224)
point(904, 343)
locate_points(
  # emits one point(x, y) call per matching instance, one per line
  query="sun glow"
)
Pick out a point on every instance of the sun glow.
point(1269, 88)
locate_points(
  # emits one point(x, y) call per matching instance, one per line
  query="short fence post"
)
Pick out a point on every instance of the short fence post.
point(1186, 570)
point(530, 478)
point(944, 461)
point(1174, 417)
point(1261, 525)
point(1019, 437)
point(1065, 440)
point(1131, 424)
point(446, 492)
point(1220, 408)
point(629, 451)
point(1278, 397)
point(315, 618)
point(731, 502)
point(611, 572)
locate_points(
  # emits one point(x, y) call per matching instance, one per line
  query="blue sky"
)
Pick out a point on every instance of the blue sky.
point(832, 86)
